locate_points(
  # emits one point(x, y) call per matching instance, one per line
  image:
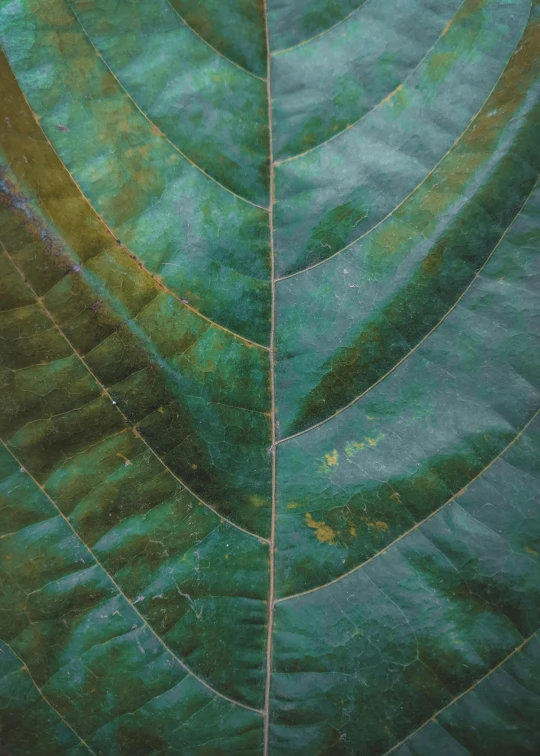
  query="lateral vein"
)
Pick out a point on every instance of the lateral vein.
point(128, 422)
point(121, 592)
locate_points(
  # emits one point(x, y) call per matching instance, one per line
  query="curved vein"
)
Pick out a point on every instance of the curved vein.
point(453, 701)
point(385, 99)
point(413, 190)
point(321, 34)
point(183, 302)
point(120, 591)
point(130, 254)
point(418, 524)
point(152, 124)
point(106, 392)
point(419, 344)
point(214, 49)
point(44, 697)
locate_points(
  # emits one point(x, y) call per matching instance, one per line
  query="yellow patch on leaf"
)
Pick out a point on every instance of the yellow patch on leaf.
point(379, 524)
point(352, 447)
point(332, 458)
point(324, 533)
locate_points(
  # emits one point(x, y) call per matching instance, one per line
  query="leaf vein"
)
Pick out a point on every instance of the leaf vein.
point(418, 524)
point(183, 154)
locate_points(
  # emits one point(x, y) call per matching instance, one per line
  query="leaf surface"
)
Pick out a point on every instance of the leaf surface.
point(270, 373)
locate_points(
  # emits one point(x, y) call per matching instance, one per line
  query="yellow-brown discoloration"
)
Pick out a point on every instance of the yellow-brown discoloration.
point(332, 458)
point(324, 533)
point(391, 95)
point(353, 447)
point(379, 524)
point(530, 551)
point(448, 25)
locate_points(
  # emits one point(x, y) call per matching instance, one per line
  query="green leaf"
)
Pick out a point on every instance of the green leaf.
point(269, 360)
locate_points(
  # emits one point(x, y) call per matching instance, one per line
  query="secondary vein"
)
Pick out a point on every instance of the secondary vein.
point(154, 126)
point(418, 524)
point(424, 338)
point(106, 392)
point(44, 697)
point(120, 591)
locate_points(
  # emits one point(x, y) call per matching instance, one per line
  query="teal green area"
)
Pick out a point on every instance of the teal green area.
point(154, 536)
point(362, 479)
point(103, 660)
point(324, 87)
point(364, 662)
point(30, 724)
point(170, 384)
point(235, 30)
point(180, 223)
point(386, 293)
point(503, 708)
point(184, 88)
point(292, 24)
point(328, 198)
point(269, 367)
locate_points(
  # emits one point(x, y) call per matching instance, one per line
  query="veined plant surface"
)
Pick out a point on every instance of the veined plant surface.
point(269, 366)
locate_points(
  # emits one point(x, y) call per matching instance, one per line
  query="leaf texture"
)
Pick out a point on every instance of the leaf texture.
point(270, 370)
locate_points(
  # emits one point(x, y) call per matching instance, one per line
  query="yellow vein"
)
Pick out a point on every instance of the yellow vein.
point(214, 49)
point(152, 124)
point(272, 546)
point(321, 34)
point(121, 592)
point(44, 697)
point(418, 524)
point(105, 391)
point(417, 346)
point(385, 99)
point(415, 189)
point(472, 687)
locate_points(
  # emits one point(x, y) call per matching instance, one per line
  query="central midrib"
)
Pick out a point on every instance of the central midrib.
point(271, 545)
